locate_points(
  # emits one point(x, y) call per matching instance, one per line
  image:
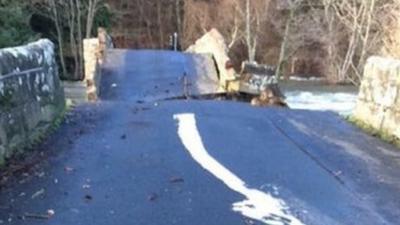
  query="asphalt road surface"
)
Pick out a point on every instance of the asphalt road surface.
point(138, 157)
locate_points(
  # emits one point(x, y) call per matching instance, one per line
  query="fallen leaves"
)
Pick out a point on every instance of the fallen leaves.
point(176, 180)
point(88, 198)
point(152, 197)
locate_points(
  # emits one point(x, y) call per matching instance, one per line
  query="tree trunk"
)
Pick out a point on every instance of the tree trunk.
point(160, 26)
point(178, 16)
point(72, 37)
point(282, 55)
point(60, 39)
point(248, 32)
point(92, 5)
point(79, 39)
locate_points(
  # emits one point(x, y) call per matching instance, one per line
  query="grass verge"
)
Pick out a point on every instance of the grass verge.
point(381, 134)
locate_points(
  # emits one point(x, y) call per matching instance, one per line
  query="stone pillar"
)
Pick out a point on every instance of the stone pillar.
point(94, 52)
point(90, 49)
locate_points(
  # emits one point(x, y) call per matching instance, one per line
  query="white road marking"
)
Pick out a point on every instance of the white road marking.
point(258, 205)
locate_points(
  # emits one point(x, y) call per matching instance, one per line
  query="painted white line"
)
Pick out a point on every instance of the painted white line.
point(258, 205)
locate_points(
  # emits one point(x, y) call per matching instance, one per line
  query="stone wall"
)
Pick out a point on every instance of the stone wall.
point(379, 100)
point(31, 95)
point(94, 52)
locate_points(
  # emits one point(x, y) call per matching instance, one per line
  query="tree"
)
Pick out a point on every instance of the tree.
point(14, 23)
point(252, 17)
point(282, 55)
point(357, 18)
point(93, 7)
point(390, 14)
point(73, 20)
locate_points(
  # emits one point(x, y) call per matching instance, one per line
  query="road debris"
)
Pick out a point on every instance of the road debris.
point(40, 174)
point(38, 193)
point(176, 180)
point(338, 173)
point(50, 213)
point(152, 197)
point(88, 198)
point(68, 169)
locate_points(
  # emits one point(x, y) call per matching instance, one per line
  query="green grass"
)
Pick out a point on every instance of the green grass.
point(381, 134)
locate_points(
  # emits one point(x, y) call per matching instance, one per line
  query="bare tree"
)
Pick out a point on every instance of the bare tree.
point(160, 25)
point(178, 16)
point(69, 17)
point(53, 9)
point(92, 8)
point(390, 12)
point(282, 56)
point(356, 17)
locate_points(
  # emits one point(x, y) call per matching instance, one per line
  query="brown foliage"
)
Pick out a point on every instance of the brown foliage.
point(331, 38)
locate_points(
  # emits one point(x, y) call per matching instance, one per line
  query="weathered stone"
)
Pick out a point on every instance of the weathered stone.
point(31, 96)
point(379, 100)
point(94, 51)
point(213, 43)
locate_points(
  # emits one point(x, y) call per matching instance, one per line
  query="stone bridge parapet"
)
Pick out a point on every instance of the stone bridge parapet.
point(378, 103)
point(31, 95)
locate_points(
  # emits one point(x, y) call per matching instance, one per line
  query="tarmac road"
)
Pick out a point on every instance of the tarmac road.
point(136, 158)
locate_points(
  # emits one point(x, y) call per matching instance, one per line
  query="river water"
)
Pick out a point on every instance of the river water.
point(314, 95)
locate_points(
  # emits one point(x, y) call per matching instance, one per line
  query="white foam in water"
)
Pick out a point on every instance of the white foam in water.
point(342, 103)
point(298, 78)
point(258, 205)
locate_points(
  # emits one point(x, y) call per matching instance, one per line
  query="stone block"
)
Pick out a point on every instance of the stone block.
point(379, 99)
point(213, 43)
point(31, 96)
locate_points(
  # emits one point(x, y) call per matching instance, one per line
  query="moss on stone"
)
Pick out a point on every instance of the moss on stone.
point(36, 138)
point(381, 134)
point(6, 101)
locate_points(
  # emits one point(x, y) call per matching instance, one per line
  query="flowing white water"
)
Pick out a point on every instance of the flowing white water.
point(340, 102)
point(258, 205)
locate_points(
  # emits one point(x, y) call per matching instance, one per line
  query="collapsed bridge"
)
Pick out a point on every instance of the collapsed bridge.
point(139, 155)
